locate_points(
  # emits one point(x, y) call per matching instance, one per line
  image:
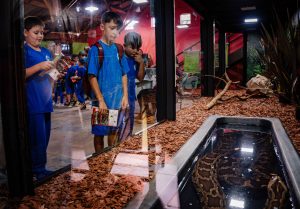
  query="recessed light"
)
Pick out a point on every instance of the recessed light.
point(140, 1)
point(250, 8)
point(247, 149)
point(237, 203)
point(250, 20)
point(91, 8)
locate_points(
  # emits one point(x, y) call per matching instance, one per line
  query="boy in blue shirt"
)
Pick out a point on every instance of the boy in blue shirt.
point(69, 86)
point(78, 76)
point(39, 94)
point(59, 92)
point(108, 81)
point(133, 54)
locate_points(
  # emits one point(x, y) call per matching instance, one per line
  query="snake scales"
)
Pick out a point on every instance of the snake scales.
point(223, 167)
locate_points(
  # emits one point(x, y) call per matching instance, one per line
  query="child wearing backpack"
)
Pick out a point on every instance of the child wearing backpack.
point(133, 54)
point(108, 81)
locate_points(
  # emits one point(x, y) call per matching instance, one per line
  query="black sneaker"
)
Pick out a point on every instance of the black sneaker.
point(42, 175)
point(74, 104)
point(67, 104)
point(82, 106)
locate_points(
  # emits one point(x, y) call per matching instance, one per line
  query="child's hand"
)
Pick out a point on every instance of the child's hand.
point(138, 58)
point(60, 76)
point(102, 107)
point(124, 102)
point(46, 65)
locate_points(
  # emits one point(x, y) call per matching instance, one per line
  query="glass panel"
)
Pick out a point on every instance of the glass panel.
point(216, 50)
point(254, 48)
point(188, 54)
point(71, 30)
point(234, 56)
point(142, 21)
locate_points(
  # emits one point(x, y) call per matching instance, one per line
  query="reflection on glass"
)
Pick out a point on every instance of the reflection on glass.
point(131, 164)
point(234, 55)
point(188, 55)
point(167, 186)
point(79, 163)
point(69, 39)
point(216, 50)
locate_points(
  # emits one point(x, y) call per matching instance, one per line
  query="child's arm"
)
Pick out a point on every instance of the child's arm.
point(125, 92)
point(95, 87)
point(141, 72)
point(46, 65)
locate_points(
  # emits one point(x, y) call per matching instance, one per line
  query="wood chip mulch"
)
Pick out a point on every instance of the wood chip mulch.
point(97, 187)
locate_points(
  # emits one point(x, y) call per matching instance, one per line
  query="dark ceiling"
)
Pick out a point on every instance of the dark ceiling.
point(61, 15)
point(229, 13)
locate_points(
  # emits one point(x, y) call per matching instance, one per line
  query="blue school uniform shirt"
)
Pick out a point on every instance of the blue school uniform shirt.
point(81, 71)
point(38, 88)
point(70, 73)
point(59, 83)
point(131, 75)
point(110, 74)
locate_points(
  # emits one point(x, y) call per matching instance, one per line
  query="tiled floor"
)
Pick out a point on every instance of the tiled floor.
point(71, 140)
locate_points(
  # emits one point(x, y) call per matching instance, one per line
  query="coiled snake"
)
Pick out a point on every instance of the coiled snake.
point(224, 167)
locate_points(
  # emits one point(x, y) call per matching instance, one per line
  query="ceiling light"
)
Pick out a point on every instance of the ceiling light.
point(250, 8)
point(140, 1)
point(247, 149)
point(250, 20)
point(91, 8)
point(78, 9)
point(237, 203)
point(182, 26)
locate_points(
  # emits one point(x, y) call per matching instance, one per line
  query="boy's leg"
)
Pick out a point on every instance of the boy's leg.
point(80, 94)
point(47, 127)
point(39, 133)
point(111, 140)
point(131, 115)
point(55, 96)
point(68, 91)
point(68, 99)
point(142, 104)
point(98, 143)
point(74, 99)
point(61, 94)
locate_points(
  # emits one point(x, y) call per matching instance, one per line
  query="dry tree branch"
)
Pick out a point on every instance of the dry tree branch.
point(219, 96)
